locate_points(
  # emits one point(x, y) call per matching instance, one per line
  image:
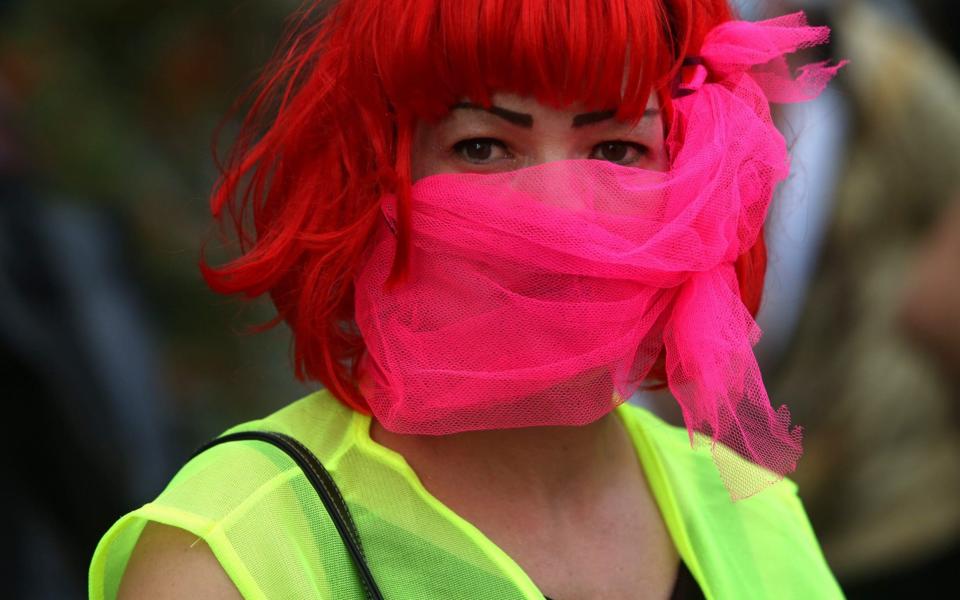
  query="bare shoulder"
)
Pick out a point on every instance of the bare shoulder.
point(169, 564)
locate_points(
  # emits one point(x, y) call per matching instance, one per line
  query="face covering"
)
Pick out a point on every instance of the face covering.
point(543, 296)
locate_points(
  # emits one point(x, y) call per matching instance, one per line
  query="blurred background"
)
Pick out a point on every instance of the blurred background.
point(117, 362)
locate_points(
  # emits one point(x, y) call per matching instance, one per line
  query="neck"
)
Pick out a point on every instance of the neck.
point(545, 465)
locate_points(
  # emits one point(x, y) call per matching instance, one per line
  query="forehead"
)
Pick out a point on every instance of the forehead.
point(528, 112)
point(532, 105)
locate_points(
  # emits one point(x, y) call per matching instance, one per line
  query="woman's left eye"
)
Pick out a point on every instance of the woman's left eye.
point(621, 153)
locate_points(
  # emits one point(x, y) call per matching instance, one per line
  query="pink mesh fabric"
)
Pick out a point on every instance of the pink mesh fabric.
point(543, 296)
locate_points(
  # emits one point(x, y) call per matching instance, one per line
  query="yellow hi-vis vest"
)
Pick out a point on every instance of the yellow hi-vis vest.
point(266, 525)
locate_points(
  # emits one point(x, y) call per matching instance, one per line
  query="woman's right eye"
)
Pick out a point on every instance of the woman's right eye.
point(480, 150)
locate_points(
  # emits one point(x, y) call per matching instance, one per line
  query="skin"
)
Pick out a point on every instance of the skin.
point(570, 505)
point(930, 309)
point(170, 563)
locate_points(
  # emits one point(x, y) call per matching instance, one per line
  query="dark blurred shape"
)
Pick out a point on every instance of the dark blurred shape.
point(118, 104)
point(942, 17)
point(86, 435)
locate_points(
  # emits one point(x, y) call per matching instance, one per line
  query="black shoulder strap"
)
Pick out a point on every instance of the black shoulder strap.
point(325, 487)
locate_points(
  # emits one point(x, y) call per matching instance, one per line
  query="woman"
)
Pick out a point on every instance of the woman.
point(487, 224)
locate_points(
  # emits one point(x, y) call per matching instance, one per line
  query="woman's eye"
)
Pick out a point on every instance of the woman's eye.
point(480, 150)
point(623, 153)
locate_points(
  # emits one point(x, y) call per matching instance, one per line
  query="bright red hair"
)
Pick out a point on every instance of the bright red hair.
point(330, 126)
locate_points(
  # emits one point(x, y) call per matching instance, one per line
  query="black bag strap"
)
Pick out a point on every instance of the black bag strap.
point(326, 489)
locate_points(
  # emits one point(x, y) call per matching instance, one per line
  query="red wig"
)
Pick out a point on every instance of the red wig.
point(331, 121)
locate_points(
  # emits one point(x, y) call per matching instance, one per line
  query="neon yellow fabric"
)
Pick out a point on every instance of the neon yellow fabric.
point(264, 523)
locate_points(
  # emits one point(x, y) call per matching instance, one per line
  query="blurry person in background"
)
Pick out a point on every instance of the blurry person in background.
point(85, 430)
point(931, 303)
point(883, 480)
point(114, 353)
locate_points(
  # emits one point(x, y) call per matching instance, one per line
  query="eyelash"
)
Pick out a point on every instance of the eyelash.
point(458, 149)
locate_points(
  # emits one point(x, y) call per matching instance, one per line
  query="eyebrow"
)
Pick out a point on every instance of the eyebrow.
point(526, 121)
point(522, 119)
point(603, 115)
